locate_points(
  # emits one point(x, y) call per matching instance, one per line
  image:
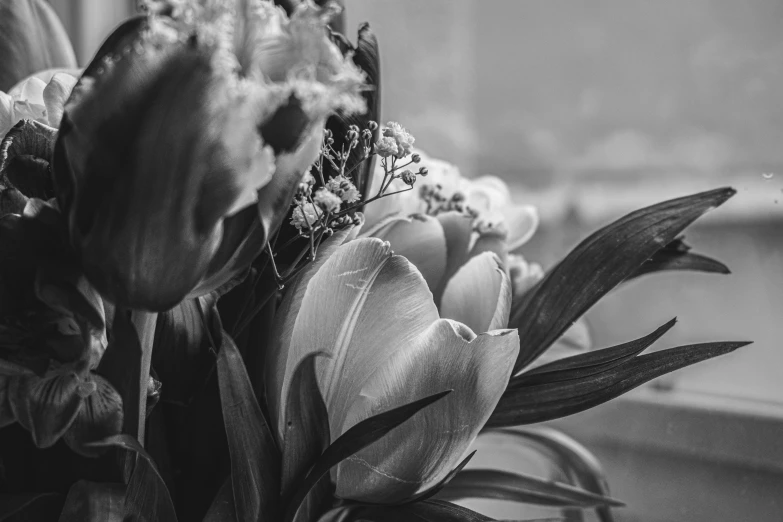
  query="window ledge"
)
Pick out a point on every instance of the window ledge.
point(703, 427)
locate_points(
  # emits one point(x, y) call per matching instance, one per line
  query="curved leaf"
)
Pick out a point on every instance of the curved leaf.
point(676, 256)
point(306, 436)
point(255, 459)
point(598, 264)
point(542, 402)
point(146, 496)
point(181, 354)
point(354, 440)
point(575, 461)
point(518, 487)
point(589, 363)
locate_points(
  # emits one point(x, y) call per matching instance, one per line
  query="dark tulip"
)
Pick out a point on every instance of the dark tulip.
point(176, 128)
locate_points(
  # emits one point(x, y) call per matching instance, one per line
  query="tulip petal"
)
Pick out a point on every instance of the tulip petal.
point(278, 371)
point(458, 229)
point(362, 305)
point(45, 406)
point(99, 417)
point(56, 94)
point(31, 39)
point(29, 90)
point(479, 295)
point(421, 240)
point(425, 448)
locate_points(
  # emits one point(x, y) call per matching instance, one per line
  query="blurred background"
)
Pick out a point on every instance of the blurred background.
point(591, 110)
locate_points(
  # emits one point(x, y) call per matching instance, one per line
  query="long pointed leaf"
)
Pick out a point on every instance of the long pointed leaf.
point(589, 363)
point(255, 459)
point(306, 437)
point(574, 460)
point(444, 482)
point(539, 403)
point(518, 487)
point(677, 256)
point(600, 263)
point(354, 440)
point(147, 496)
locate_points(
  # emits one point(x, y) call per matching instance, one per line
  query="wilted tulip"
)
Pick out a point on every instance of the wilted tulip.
point(31, 39)
point(385, 345)
point(182, 123)
point(52, 337)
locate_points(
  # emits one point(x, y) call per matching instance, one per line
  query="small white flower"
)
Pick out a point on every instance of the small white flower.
point(386, 147)
point(328, 201)
point(344, 188)
point(403, 139)
point(305, 216)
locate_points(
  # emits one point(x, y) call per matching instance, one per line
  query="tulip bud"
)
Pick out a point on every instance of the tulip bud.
point(31, 39)
point(173, 133)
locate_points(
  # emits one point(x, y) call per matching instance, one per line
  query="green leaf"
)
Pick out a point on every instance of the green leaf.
point(354, 440)
point(443, 483)
point(676, 256)
point(147, 496)
point(255, 459)
point(539, 403)
point(598, 264)
point(589, 363)
point(305, 437)
point(120, 365)
point(518, 487)
point(571, 458)
point(181, 355)
point(26, 507)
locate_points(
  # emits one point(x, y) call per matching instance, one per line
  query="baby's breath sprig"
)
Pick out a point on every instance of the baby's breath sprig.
point(323, 206)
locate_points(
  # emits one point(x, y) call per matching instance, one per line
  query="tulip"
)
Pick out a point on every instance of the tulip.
point(40, 97)
point(53, 338)
point(443, 188)
point(370, 312)
point(179, 129)
point(31, 39)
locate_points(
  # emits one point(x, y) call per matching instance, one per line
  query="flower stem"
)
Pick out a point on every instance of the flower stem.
point(144, 322)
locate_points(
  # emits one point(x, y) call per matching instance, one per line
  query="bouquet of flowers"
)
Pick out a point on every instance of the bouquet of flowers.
point(227, 293)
